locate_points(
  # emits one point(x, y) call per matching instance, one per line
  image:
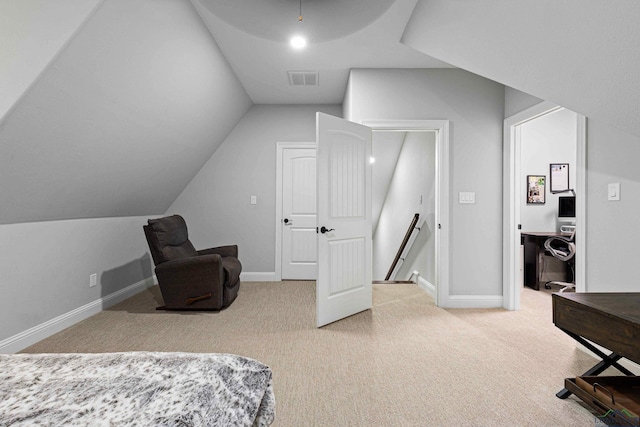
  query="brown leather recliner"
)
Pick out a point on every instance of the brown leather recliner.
point(208, 279)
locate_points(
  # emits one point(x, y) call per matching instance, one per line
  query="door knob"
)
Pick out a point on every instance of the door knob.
point(324, 229)
point(286, 221)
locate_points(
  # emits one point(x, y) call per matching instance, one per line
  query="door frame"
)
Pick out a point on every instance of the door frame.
point(280, 147)
point(442, 233)
point(511, 200)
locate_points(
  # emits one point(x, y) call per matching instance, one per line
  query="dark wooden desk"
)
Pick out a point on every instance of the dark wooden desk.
point(611, 320)
point(533, 242)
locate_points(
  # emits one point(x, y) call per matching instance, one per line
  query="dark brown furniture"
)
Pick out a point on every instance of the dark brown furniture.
point(611, 320)
point(533, 242)
point(189, 279)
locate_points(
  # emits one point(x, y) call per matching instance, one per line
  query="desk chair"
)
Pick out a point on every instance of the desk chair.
point(564, 249)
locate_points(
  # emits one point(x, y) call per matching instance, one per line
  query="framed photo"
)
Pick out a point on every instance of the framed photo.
point(559, 175)
point(536, 189)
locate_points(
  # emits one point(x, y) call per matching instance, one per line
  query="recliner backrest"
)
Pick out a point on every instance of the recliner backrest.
point(168, 239)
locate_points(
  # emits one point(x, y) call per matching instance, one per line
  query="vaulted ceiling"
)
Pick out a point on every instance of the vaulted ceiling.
point(110, 107)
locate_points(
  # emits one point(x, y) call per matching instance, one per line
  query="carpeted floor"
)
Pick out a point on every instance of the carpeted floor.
point(406, 362)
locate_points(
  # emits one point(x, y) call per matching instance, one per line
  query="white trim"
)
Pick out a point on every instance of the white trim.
point(475, 301)
point(442, 127)
point(427, 286)
point(581, 208)
point(38, 333)
point(511, 207)
point(251, 276)
point(280, 147)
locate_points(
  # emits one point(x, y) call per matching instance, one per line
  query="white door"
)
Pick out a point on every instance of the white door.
point(299, 238)
point(343, 286)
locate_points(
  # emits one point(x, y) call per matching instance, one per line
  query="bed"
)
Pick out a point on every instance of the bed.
point(135, 389)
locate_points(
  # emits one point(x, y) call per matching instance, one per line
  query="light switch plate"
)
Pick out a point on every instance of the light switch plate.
point(614, 191)
point(254, 200)
point(467, 197)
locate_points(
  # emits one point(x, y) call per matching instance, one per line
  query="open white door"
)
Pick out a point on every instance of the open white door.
point(343, 285)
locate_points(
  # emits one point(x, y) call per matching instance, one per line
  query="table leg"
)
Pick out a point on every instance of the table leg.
point(607, 360)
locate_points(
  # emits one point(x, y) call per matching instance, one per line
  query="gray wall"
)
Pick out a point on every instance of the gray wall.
point(612, 226)
point(516, 101)
point(216, 203)
point(475, 107)
point(45, 266)
point(108, 135)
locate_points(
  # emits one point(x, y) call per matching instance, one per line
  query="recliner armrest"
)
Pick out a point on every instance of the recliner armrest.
point(188, 278)
point(225, 251)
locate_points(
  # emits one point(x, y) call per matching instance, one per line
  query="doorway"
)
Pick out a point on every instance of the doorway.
point(440, 131)
point(296, 237)
point(435, 281)
point(403, 164)
point(514, 194)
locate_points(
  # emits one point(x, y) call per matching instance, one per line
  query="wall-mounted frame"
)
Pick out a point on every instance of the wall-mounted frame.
point(536, 189)
point(559, 176)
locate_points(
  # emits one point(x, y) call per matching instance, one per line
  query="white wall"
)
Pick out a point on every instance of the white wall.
point(411, 191)
point(475, 107)
point(46, 266)
point(547, 139)
point(216, 203)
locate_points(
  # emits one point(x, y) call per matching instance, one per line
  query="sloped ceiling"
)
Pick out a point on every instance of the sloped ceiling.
point(122, 119)
point(32, 33)
point(581, 54)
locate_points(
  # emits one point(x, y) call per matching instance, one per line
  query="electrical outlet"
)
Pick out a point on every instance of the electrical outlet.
point(93, 280)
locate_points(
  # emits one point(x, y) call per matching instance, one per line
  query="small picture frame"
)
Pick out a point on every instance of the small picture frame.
point(559, 176)
point(536, 189)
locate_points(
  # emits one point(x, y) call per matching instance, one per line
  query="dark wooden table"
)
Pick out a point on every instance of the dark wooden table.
point(611, 320)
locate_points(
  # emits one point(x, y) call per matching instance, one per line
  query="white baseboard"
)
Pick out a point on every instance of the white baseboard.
point(249, 276)
point(473, 301)
point(427, 286)
point(38, 333)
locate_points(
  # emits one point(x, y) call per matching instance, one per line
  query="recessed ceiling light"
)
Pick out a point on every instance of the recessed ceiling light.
point(298, 42)
point(372, 160)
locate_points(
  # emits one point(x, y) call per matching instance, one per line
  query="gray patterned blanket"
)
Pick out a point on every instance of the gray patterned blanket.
point(134, 389)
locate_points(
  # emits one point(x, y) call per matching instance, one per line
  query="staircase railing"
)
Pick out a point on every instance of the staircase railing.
point(403, 245)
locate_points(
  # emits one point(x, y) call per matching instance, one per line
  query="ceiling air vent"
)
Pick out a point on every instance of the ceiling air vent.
point(303, 78)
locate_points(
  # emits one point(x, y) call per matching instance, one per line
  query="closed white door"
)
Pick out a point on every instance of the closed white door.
point(299, 238)
point(343, 287)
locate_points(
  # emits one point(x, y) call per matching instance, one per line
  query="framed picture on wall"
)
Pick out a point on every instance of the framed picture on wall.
point(559, 176)
point(536, 189)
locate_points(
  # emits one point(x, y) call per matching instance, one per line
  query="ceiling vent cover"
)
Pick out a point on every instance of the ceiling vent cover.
point(303, 78)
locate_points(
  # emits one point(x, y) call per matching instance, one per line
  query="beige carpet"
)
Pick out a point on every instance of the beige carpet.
point(403, 363)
